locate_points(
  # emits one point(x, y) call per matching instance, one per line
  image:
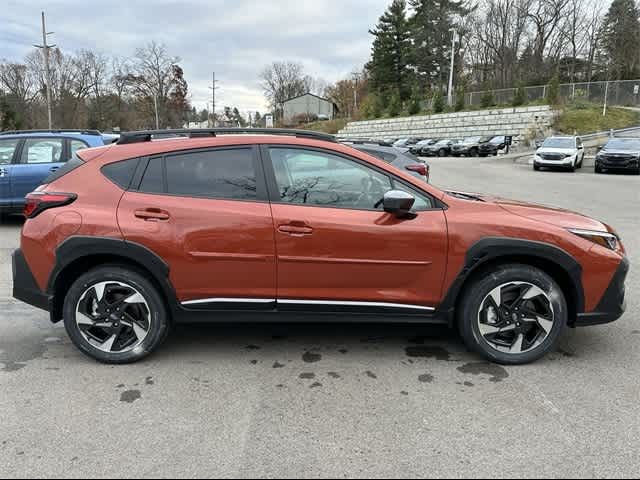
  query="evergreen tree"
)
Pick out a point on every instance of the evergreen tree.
point(257, 120)
point(620, 39)
point(415, 102)
point(395, 105)
point(460, 99)
point(520, 97)
point(391, 52)
point(438, 102)
point(553, 90)
point(487, 100)
point(431, 33)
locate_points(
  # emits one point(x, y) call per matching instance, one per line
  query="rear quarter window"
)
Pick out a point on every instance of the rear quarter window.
point(121, 173)
point(68, 167)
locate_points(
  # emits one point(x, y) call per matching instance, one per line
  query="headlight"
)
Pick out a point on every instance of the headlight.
point(604, 239)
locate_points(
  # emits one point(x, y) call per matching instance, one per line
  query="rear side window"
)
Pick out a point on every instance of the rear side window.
point(218, 174)
point(71, 165)
point(121, 173)
point(387, 157)
point(42, 150)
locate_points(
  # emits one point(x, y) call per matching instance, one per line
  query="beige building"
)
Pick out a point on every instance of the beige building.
point(308, 104)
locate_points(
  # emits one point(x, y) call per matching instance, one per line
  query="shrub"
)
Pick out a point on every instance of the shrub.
point(438, 102)
point(520, 98)
point(553, 91)
point(460, 99)
point(395, 105)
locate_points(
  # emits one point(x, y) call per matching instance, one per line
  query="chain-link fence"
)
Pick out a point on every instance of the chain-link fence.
point(622, 93)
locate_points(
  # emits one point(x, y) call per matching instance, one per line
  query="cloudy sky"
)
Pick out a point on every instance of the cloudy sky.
point(236, 39)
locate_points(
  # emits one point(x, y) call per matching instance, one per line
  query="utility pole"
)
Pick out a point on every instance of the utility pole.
point(213, 89)
point(453, 59)
point(47, 72)
point(355, 93)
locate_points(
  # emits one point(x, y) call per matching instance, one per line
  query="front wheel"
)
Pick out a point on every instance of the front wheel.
point(513, 315)
point(442, 153)
point(115, 315)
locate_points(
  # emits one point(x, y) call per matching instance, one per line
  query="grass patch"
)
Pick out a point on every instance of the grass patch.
point(328, 126)
point(583, 118)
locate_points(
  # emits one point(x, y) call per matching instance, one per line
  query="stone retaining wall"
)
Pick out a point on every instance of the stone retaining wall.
point(521, 122)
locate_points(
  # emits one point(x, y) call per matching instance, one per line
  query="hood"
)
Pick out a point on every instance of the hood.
point(541, 213)
point(614, 151)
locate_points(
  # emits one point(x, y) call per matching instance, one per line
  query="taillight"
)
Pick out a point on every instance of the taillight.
point(37, 202)
point(420, 168)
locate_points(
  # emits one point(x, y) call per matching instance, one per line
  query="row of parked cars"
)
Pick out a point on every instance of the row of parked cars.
point(476, 146)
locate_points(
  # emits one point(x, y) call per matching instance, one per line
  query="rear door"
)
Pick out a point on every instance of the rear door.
point(38, 158)
point(8, 149)
point(206, 213)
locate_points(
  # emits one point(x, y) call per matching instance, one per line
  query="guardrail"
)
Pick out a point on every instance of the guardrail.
point(633, 131)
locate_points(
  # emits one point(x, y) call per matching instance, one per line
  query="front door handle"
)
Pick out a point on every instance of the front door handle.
point(296, 230)
point(152, 215)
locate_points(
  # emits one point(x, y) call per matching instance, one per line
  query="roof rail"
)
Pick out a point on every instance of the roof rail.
point(148, 135)
point(365, 141)
point(80, 131)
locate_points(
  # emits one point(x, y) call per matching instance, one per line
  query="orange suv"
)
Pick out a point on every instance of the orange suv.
point(218, 225)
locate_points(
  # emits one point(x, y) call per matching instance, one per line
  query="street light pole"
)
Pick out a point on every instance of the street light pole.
point(453, 59)
point(47, 71)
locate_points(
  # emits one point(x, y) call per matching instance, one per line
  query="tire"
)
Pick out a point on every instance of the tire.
point(442, 152)
point(572, 168)
point(598, 169)
point(118, 283)
point(542, 335)
point(536, 167)
point(473, 152)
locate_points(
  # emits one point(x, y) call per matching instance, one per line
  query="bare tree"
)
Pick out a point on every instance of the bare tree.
point(282, 81)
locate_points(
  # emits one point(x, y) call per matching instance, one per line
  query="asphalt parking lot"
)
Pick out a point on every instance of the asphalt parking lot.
point(334, 400)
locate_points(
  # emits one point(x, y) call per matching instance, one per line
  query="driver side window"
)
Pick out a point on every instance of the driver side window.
point(312, 177)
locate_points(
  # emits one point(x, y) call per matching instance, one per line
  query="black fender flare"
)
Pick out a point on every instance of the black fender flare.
point(490, 249)
point(75, 248)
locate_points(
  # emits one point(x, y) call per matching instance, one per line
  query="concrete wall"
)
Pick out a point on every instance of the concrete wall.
point(521, 122)
point(307, 104)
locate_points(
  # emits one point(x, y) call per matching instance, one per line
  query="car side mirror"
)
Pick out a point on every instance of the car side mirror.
point(399, 203)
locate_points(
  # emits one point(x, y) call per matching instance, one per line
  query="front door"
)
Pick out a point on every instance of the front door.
point(206, 213)
point(336, 246)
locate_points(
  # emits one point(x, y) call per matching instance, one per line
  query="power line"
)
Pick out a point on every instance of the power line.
point(45, 49)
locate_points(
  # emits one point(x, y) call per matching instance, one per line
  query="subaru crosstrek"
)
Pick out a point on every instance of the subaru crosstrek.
point(28, 157)
point(127, 240)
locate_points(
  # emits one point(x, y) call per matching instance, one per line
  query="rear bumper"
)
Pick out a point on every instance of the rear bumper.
point(25, 287)
point(613, 303)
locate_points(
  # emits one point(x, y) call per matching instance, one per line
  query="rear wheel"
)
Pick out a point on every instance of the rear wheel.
point(115, 315)
point(442, 152)
point(473, 152)
point(512, 315)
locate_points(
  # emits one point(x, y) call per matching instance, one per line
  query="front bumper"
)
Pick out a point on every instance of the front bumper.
point(613, 303)
point(25, 287)
point(553, 163)
point(632, 164)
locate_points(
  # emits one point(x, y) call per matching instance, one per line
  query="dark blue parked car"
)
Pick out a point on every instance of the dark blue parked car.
point(28, 157)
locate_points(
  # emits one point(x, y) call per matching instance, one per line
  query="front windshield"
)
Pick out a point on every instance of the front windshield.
point(443, 142)
point(559, 143)
point(625, 144)
point(472, 140)
point(497, 140)
point(401, 142)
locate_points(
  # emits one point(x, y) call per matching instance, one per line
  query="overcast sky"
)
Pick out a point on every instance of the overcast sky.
point(236, 38)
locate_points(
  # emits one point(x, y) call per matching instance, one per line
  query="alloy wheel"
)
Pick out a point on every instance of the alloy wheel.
point(516, 317)
point(113, 317)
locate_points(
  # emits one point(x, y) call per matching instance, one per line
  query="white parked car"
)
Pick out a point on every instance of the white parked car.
point(562, 152)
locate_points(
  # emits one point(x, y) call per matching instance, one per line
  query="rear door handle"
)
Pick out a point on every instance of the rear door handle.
point(53, 169)
point(295, 230)
point(152, 215)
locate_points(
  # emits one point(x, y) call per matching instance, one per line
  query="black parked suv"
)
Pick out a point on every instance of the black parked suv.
point(619, 154)
point(470, 146)
point(439, 149)
point(493, 146)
